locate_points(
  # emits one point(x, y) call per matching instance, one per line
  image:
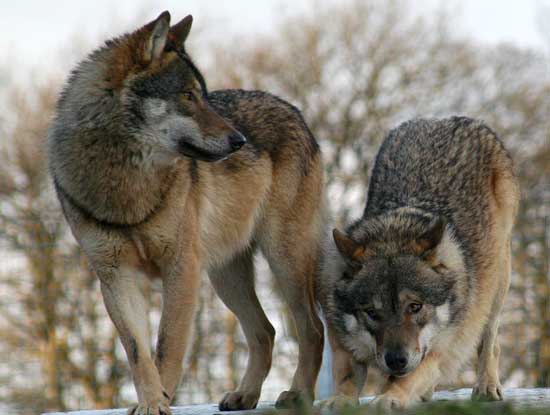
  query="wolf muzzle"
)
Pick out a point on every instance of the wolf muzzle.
point(396, 361)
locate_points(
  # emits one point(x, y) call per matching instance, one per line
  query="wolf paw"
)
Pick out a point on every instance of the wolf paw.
point(427, 397)
point(387, 402)
point(152, 409)
point(488, 391)
point(236, 401)
point(292, 399)
point(339, 402)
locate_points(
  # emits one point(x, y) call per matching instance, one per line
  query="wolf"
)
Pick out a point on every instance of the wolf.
point(416, 285)
point(157, 176)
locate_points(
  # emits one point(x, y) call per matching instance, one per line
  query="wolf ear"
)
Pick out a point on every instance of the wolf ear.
point(180, 31)
point(432, 236)
point(154, 45)
point(349, 249)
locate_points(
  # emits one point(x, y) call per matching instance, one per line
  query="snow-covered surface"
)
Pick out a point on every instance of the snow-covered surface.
point(519, 397)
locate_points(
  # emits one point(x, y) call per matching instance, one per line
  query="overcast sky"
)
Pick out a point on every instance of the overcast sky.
point(34, 32)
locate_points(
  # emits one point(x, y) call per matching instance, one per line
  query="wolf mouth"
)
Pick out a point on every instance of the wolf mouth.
point(399, 374)
point(198, 153)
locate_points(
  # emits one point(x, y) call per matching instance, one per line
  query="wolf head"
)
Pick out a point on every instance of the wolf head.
point(128, 115)
point(170, 96)
point(394, 287)
point(155, 93)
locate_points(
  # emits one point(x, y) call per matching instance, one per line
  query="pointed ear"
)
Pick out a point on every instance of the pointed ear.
point(154, 44)
point(432, 236)
point(349, 249)
point(180, 31)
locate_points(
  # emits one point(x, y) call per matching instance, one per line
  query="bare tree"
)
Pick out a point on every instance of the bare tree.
point(56, 335)
point(356, 70)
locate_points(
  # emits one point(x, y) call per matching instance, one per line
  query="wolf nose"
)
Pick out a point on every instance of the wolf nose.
point(396, 361)
point(236, 140)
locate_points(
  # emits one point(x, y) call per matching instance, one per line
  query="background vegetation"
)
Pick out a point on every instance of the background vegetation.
point(355, 70)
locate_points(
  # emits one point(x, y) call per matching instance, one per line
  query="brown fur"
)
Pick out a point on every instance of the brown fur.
point(172, 217)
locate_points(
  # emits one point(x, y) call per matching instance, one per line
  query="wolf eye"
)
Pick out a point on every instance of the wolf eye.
point(188, 95)
point(414, 308)
point(373, 314)
point(347, 276)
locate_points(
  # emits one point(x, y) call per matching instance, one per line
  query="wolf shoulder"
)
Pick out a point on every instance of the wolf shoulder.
point(269, 123)
point(438, 160)
point(452, 142)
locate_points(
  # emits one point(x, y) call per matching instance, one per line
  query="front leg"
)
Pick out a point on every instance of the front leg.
point(127, 308)
point(348, 375)
point(401, 392)
point(179, 297)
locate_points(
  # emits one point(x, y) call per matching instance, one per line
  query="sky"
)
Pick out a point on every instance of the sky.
point(34, 32)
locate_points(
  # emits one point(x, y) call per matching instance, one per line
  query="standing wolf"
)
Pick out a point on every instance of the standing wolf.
point(417, 284)
point(133, 153)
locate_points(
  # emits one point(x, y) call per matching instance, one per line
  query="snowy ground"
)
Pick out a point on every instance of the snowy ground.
point(517, 397)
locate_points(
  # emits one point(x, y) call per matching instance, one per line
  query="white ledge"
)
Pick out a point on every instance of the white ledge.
point(517, 397)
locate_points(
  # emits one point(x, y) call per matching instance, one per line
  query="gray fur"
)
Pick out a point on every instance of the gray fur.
point(437, 192)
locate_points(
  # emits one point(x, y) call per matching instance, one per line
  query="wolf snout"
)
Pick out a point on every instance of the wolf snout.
point(396, 361)
point(236, 140)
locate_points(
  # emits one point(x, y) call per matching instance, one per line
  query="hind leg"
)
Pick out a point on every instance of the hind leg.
point(234, 283)
point(488, 385)
point(294, 270)
point(506, 197)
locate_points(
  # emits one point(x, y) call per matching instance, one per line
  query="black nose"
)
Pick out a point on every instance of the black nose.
point(236, 140)
point(396, 360)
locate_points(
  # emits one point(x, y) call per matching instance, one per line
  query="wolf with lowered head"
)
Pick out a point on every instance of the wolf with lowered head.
point(417, 284)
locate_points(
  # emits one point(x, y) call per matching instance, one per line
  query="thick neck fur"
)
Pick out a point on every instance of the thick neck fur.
point(95, 158)
point(390, 233)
